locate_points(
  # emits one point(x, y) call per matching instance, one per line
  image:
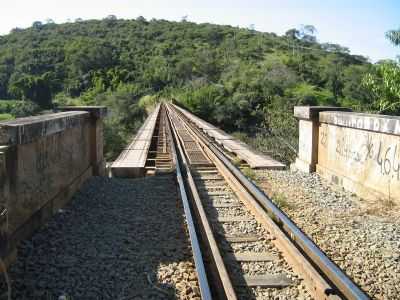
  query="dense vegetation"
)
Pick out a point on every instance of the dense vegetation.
point(240, 79)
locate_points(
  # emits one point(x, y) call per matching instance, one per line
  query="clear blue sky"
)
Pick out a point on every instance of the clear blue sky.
point(357, 24)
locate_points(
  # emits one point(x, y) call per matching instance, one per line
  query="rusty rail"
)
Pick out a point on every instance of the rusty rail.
point(324, 278)
point(197, 255)
point(224, 280)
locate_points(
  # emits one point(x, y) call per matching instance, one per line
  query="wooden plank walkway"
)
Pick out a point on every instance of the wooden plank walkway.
point(132, 160)
point(255, 159)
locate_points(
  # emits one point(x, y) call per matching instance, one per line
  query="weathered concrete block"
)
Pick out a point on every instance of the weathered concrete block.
point(376, 123)
point(361, 153)
point(312, 112)
point(308, 116)
point(4, 179)
point(45, 168)
point(43, 162)
point(97, 113)
point(97, 142)
point(26, 130)
point(307, 153)
point(4, 198)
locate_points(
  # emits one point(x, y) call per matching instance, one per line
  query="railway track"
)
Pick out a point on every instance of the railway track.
point(159, 158)
point(244, 247)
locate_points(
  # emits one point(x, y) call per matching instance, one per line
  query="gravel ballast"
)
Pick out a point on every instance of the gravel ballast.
point(220, 194)
point(362, 237)
point(117, 239)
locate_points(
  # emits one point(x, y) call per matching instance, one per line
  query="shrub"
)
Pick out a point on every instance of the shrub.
point(249, 173)
point(281, 201)
point(6, 117)
point(24, 109)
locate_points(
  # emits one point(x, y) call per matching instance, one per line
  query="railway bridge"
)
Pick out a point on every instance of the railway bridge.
point(178, 214)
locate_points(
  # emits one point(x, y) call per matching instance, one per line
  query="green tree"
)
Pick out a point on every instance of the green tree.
point(34, 88)
point(306, 94)
point(240, 79)
point(355, 94)
point(394, 36)
point(384, 82)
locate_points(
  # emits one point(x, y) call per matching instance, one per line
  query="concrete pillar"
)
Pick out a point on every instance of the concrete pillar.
point(4, 195)
point(97, 113)
point(7, 249)
point(307, 156)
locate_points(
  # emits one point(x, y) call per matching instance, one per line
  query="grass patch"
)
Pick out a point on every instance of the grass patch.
point(249, 173)
point(237, 161)
point(281, 201)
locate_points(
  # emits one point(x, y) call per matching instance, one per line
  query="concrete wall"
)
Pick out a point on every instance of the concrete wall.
point(43, 161)
point(360, 152)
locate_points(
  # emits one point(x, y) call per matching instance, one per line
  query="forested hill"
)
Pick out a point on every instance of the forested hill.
point(41, 61)
point(237, 78)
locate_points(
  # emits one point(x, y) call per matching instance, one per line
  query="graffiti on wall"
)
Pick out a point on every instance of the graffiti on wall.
point(364, 148)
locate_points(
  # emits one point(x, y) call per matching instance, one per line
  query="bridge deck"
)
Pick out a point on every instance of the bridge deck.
point(116, 235)
point(132, 160)
point(256, 160)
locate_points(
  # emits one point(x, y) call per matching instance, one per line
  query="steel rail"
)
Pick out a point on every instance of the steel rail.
point(334, 274)
point(197, 255)
point(212, 244)
point(315, 283)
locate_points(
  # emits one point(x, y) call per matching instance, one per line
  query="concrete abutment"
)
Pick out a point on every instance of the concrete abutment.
point(43, 161)
point(359, 152)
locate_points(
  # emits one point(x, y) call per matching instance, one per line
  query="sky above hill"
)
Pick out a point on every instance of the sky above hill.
point(358, 24)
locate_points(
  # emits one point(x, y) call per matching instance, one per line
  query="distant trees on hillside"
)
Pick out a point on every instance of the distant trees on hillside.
point(237, 78)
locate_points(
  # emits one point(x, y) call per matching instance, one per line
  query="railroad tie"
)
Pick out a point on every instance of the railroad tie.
point(265, 281)
point(230, 219)
point(215, 188)
point(205, 171)
point(241, 238)
point(226, 205)
point(208, 177)
point(252, 257)
point(221, 193)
